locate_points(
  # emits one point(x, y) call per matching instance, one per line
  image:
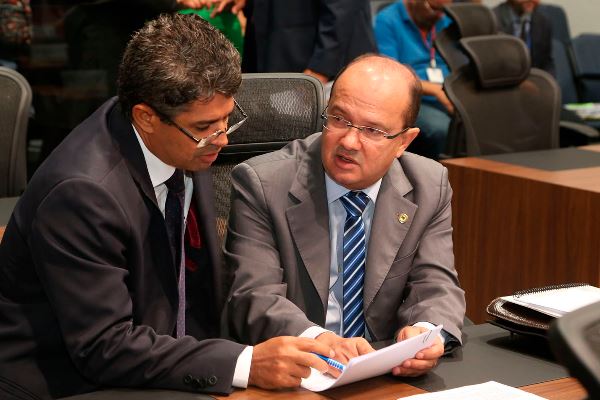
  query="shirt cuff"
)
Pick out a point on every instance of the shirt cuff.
point(313, 332)
point(443, 335)
point(241, 374)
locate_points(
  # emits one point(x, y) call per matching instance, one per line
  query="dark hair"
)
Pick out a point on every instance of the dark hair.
point(174, 60)
point(415, 88)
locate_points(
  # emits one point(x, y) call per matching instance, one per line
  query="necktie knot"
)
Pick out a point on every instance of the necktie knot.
point(355, 203)
point(175, 182)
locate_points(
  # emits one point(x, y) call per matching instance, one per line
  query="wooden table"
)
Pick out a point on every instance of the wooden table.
point(518, 227)
point(389, 388)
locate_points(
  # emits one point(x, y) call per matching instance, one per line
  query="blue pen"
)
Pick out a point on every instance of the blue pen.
point(333, 363)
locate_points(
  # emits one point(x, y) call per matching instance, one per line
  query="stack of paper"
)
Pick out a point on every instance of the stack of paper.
point(557, 302)
point(484, 391)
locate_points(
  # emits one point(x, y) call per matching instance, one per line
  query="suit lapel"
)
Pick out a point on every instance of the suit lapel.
point(122, 130)
point(309, 220)
point(387, 233)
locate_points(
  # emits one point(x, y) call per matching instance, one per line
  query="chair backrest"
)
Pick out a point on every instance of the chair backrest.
point(505, 105)
point(558, 19)
point(575, 341)
point(565, 75)
point(586, 57)
point(15, 103)
point(468, 20)
point(281, 107)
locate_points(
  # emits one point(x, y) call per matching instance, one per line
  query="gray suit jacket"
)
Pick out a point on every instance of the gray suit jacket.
point(278, 247)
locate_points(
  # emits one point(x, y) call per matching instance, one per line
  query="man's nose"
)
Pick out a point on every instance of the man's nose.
point(222, 139)
point(351, 139)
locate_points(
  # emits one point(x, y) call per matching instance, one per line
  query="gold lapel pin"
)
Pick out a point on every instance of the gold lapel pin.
point(402, 218)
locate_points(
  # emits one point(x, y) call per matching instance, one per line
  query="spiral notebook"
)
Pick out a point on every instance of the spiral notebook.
point(532, 311)
point(556, 300)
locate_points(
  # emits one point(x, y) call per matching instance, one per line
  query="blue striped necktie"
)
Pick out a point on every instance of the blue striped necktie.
point(354, 263)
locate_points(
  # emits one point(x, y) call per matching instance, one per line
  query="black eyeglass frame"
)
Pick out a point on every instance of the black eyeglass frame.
point(360, 128)
point(200, 143)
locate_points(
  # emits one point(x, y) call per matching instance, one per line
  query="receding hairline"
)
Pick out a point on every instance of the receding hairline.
point(381, 64)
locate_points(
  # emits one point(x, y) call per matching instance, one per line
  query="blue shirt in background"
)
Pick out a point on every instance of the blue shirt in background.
point(397, 36)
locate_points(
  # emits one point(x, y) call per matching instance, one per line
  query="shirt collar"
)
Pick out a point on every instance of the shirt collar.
point(335, 191)
point(518, 18)
point(159, 171)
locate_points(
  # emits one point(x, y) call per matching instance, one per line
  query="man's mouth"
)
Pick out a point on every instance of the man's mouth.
point(346, 159)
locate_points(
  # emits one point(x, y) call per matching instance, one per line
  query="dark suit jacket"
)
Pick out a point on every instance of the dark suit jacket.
point(278, 247)
point(292, 35)
point(88, 289)
point(541, 36)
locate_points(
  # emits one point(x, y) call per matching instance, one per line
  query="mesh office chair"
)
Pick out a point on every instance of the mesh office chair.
point(505, 105)
point(468, 20)
point(281, 107)
point(15, 102)
point(575, 341)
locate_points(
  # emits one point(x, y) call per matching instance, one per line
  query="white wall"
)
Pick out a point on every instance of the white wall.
point(583, 15)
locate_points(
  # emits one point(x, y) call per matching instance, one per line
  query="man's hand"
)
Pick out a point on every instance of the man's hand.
point(281, 362)
point(194, 3)
point(437, 90)
point(220, 5)
point(424, 360)
point(344, 348)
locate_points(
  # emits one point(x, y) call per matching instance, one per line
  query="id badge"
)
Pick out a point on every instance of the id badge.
point(435, 75)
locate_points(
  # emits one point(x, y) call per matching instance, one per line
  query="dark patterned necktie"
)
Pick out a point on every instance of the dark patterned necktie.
point(174, 221)
point(354, 263)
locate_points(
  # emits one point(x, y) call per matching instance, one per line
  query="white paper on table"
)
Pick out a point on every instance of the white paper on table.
point(373, 364)
point(484, 391)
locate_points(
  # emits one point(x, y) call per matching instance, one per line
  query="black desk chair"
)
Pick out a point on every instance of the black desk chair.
point(575, 340)
point(468, 20)
point(505, 105)
point(15, 103)
point(281, 107)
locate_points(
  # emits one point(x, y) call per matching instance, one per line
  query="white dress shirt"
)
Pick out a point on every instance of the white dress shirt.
point(337, 219)
point(159, 173)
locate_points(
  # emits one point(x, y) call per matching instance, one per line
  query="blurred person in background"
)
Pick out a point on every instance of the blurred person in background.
point(406, 31)
point(522, 19)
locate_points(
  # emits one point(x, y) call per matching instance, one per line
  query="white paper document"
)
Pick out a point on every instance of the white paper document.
point(372, 364)
point(484, 391)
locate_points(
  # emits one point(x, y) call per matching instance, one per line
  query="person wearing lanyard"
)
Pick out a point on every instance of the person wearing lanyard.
point(406, 31)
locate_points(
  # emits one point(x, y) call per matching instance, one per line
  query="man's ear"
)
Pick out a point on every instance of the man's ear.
point(144, 117)
point(407, 138)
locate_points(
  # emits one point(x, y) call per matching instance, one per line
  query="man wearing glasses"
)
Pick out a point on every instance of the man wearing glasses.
point(109, 267)
point(343, 236)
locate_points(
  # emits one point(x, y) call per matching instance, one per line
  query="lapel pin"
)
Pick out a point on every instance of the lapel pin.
point(402, 218)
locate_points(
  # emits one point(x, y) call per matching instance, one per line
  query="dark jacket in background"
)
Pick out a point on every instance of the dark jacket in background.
point(293, 35)
point(541, 36)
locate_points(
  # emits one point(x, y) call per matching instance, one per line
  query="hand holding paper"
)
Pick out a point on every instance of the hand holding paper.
point(424, 360)
point(373, 364)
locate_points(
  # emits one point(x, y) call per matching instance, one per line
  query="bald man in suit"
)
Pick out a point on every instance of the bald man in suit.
point(285, 245)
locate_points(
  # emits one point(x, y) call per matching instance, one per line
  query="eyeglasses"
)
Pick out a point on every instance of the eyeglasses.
point(213, 136)
point(336, 123)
